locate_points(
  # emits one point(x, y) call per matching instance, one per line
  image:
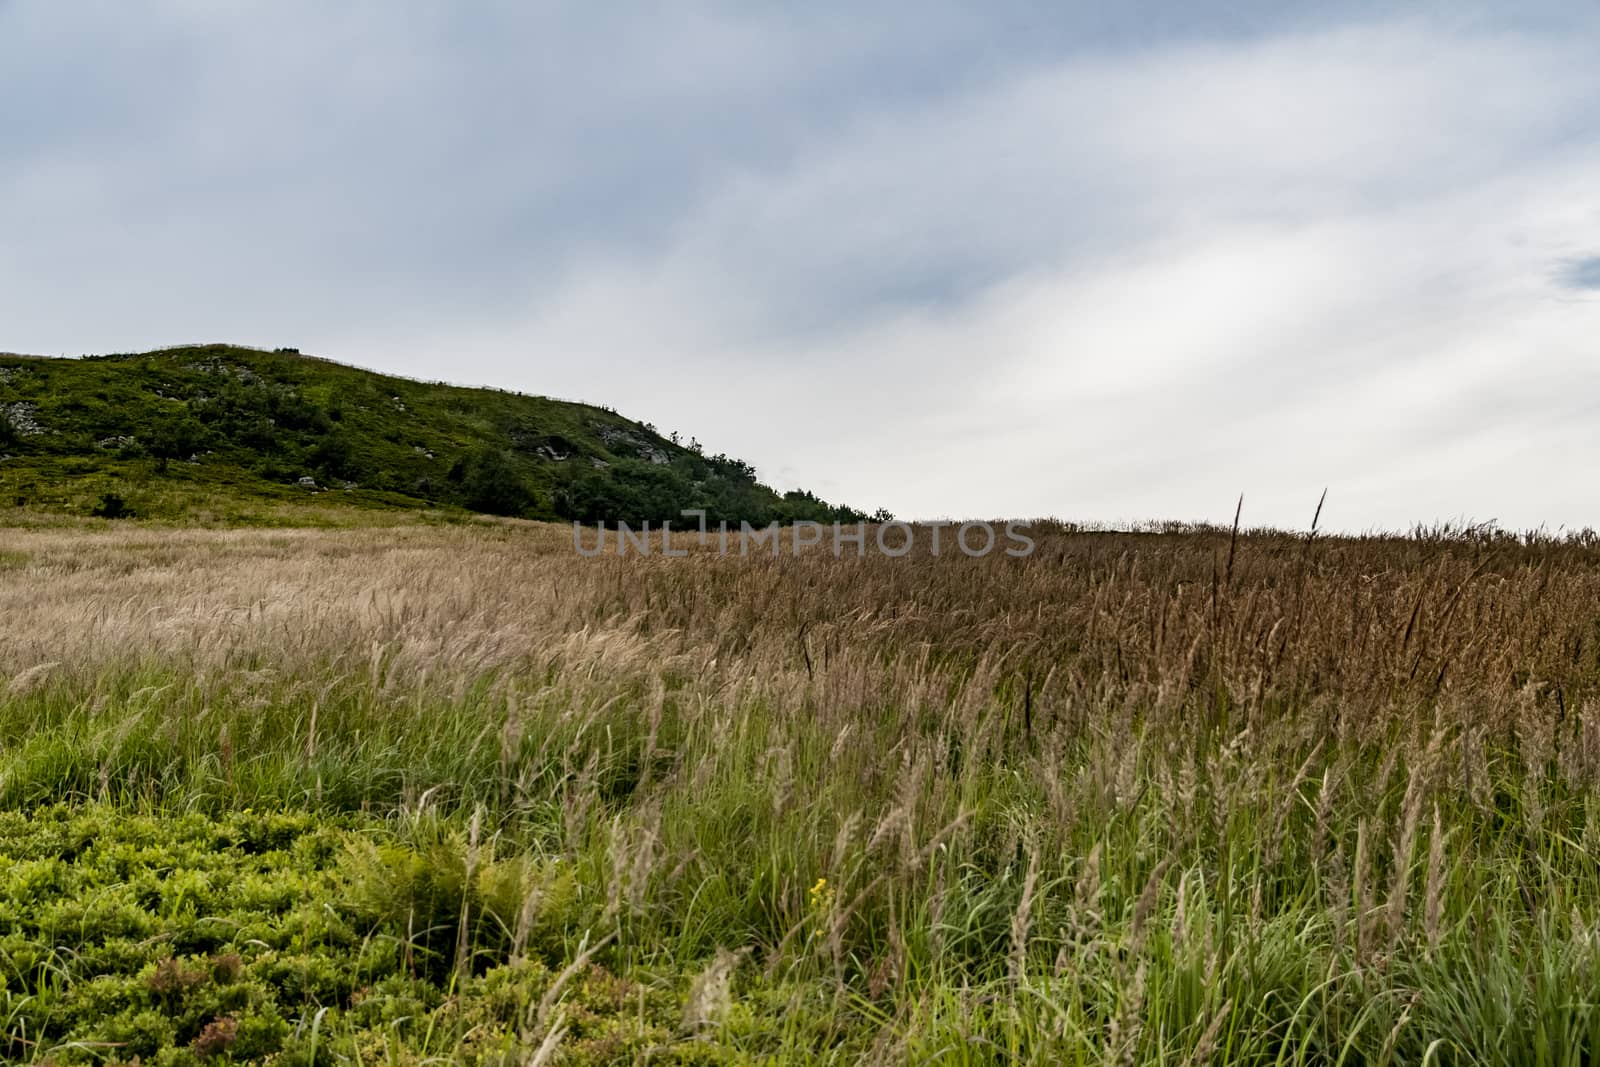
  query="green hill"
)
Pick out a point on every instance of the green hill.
point(222, 428)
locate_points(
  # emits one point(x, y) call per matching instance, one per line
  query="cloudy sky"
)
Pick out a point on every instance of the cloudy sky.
point(1099, 261)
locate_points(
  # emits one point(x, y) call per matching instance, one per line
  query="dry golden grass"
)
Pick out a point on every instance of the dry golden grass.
point(1166, 623)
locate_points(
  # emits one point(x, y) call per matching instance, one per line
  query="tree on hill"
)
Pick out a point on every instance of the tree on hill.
point(172, 436)
point(491, 483)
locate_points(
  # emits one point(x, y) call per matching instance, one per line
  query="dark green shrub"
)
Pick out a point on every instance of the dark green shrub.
point(112, 506)
point(491, 483)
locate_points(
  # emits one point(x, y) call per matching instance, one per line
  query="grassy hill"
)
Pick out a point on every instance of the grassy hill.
point(225, 430)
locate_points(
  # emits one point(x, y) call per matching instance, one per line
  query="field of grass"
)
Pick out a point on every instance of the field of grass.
point(434, 793)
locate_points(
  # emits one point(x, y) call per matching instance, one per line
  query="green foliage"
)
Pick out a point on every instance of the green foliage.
point(172, 435)
point(283, 936)
point(112, 506)
point(636, 492)
point(248, 423)
point(491, 483)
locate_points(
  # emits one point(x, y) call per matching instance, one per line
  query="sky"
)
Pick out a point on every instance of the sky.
point(1104, 262)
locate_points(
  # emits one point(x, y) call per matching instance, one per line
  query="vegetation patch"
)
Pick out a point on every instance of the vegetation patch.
point(453, 793)
point(297, 938)
point(165, 434)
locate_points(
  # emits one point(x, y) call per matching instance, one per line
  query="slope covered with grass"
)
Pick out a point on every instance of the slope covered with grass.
point(171, 432)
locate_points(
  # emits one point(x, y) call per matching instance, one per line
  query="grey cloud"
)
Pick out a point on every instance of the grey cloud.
point(413, 161)
point(1106, 260)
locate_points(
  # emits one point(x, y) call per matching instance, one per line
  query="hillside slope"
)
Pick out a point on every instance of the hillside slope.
point(154, 433)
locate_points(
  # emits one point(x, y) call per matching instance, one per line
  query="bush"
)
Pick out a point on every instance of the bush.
point(333, 457)
point(492, 484)
point(112, 506)
point(174, 437)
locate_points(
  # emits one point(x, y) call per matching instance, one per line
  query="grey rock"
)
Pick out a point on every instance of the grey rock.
point(23, 418)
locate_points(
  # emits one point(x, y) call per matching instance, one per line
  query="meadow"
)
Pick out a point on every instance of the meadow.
point(452, 793)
